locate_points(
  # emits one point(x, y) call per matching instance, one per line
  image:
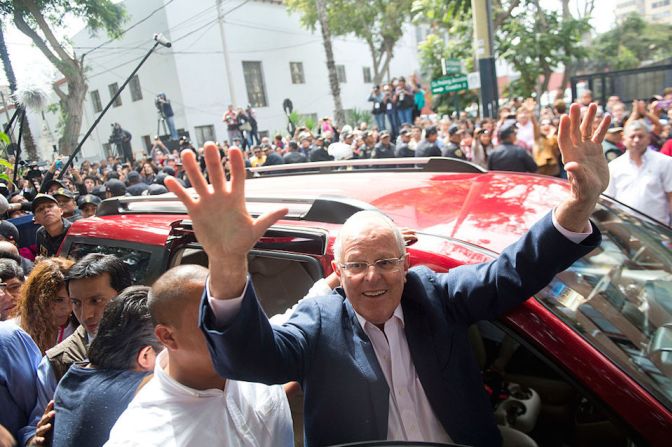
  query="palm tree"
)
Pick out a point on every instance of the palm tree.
point(28, 142)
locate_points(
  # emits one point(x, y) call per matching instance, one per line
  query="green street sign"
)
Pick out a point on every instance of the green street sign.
point(452, 66)
point(449, 84)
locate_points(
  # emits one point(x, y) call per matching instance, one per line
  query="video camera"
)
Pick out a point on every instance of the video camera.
point(159, 101)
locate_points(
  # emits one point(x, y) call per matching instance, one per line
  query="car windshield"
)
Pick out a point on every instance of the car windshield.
point(619, 297)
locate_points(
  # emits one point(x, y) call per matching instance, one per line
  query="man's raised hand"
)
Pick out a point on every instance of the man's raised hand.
point(585, 163)
point(221, 222)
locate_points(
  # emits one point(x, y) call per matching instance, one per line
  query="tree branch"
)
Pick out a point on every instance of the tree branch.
point(61, 95)
point(32, 8)
point(501, 17)
point(22, 26)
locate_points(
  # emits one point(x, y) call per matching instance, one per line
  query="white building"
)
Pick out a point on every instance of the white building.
point(659, 11)
point(223, 52)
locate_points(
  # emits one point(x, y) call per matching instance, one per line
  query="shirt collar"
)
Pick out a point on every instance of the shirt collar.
point(398, 313)
point(175, 386)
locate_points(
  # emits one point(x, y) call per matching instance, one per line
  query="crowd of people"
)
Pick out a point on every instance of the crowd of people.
point(66, 379)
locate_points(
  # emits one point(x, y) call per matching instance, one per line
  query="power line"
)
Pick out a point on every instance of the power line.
point(131, 27)
point(244, 2)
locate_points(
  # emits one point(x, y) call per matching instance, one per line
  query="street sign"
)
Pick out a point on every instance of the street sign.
point(474, 80)
point(449, 84)
point(452, 66)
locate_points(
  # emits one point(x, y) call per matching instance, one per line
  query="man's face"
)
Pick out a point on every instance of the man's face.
point(586, 98)
point(61, 307)
point(374, 294)
point(9, 294)
point(636, 141)
point(89, 297)
point(89, 210)
point(47, 213)
point(67, 205)
point(89, 184)
point(615, 137)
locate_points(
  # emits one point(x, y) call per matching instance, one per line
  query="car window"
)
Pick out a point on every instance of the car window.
point(138, 261)
point(619, 297)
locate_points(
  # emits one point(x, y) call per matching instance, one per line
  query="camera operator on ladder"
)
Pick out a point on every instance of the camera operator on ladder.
point(166, 113)
point(122, 140)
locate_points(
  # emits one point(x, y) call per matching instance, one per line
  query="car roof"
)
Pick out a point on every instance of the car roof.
point(490, 210)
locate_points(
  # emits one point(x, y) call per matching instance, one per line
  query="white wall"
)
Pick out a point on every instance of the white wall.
point(193, 72)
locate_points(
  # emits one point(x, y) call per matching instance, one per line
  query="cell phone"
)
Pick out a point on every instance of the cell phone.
point(59, 164)
point(664, 104)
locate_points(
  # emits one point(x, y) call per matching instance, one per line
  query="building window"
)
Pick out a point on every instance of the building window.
point(340, 74)
point(367, 74)
point(114, 88)
point(204, 133)
point(296, 69)
point(136, 90)
point(254, 81)
point(95, 100)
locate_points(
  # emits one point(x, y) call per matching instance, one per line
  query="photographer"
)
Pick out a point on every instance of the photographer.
point(166, 111)
point(378, 111)
point(122, 140)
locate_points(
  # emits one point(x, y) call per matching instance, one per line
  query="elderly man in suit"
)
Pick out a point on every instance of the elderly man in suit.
point(387, 357)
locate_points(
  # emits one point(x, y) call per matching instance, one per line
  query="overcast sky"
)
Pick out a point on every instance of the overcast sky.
point(30, 65)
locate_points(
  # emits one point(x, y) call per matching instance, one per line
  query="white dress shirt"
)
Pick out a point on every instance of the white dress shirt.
point(166, 413)
point(644, 187)
point(410, 416)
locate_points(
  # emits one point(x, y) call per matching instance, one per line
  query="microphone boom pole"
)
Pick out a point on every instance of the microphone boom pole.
point(159, 41)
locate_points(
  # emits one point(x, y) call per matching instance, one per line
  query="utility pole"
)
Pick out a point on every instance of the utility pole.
point(225, 50)
point(484, 49)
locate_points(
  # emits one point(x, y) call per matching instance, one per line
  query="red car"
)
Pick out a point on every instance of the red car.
point(585, 362)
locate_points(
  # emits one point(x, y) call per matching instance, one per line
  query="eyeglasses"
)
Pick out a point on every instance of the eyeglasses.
point(388, 265)
point(11, 288)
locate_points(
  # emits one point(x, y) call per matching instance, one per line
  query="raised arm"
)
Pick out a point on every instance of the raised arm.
point(221, 222)
point(586, 166)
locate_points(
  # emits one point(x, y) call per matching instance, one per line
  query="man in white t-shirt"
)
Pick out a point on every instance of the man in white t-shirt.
point(187, 402)
point(642, 177)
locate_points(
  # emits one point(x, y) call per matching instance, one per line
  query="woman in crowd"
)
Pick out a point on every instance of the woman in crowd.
point(44, 309)
point(481, 147)
point(148, 173)
point(546, 151)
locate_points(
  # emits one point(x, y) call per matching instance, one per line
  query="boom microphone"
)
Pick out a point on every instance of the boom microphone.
point(162, 40)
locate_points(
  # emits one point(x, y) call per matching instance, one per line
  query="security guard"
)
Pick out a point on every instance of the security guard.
point(88, 204)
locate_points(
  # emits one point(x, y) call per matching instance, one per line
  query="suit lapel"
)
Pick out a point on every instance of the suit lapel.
point(430, 351)
point(367, 362)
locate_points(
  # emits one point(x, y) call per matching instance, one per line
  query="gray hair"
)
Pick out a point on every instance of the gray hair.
point(360, 220)
point(637, 125)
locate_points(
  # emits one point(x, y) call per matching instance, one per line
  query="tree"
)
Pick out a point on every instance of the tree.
point(28, 141)
point(533, 40)
point(378, 22)
point(630, 44)
point(38, 19)
point(536, 42)
point(331, 65)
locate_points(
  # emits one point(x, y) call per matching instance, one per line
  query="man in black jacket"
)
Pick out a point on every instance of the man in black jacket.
point(508, 156)
point(428, 146)
point(54, 226)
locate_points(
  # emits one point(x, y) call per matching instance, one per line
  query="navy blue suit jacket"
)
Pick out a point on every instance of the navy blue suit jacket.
point(324, 347)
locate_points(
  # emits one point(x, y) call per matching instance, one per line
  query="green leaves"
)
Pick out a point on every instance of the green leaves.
point(4, 138)
point(632, 43)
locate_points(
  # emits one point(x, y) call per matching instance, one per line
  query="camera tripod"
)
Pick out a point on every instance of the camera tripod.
point(161, 120)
